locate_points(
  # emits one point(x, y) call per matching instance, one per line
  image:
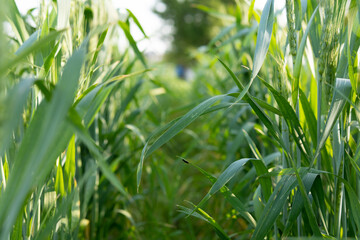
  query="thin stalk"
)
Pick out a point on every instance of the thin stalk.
point(338, 162)
point(285, 136)
point(319, 96)
point(344, 223)
point(3, 179)
point(275, 231)
point(298, 165)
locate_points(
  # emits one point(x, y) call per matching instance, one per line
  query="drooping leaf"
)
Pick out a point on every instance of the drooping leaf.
point(264, 37)
point(262, 43)
point(229, 196)
point(179, 125)
point(136, 22)
point(132, 42)
point(206, 217)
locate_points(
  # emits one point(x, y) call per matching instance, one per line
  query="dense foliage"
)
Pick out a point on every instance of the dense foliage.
point(263, 143)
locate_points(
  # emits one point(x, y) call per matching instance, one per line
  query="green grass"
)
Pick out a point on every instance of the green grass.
point(97, 143)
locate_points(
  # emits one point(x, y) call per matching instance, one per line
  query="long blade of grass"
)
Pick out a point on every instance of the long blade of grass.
point(16, 21)
point(12, 106)
point(264, 37)
point(274, 206)
point(41, 145)
point(343, 87)
point(136, 21)
point(298, 202)
point(298, 61)
point(262, 43)
point(36, 46)
point(265, 182)
point(132, 42)
point(273, 129)
point(206, 217)
point(224, 178)
point(292, 121)
point(309, 116)
point(179, 125)
point(229, 196)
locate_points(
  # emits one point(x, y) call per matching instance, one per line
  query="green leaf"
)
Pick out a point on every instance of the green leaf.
point(70, 164)
point(263, 38)
point(18, 228)
point(273, 129)
point(343, 89)
point(225, 31)
point(136, 22)
point(316, 28)
point(11, 108)
point(224, 178)
point(16, 21)
point(260, 167)
point(309, 116)
point(229, 196)
point(179, 125)
point(292, 121)
point(227, 175)
point(35, 46)
point(83, 134)
point(44, 140)
point(274, 206)
point(206, 217)
point(28, 42)
point(132, 42)
point(262, 43)
point(298, 202)
point(59, 181)
point(267, 106)
point(298, 61)
point(50, 58)
point(237, 36)
point(96, 53)
point(354, 203)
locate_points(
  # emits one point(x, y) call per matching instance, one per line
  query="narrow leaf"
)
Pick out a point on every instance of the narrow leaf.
point(343, 89)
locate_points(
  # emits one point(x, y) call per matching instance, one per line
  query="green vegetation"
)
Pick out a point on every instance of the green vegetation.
point(192, 27)
point(98, 143)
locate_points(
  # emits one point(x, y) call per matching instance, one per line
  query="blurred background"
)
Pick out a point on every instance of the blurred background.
point(173, 27)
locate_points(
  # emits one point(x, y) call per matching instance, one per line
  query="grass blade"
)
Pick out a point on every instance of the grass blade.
point(343, 87)
point(182, 123)
point(132, 42)
point(41, 145)
point(206, 217)
point(292, 121)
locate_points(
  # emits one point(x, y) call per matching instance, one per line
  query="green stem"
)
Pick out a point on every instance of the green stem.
point(319, 93)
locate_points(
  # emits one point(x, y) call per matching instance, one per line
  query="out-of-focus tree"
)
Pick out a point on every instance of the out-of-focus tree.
point(192, 27)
